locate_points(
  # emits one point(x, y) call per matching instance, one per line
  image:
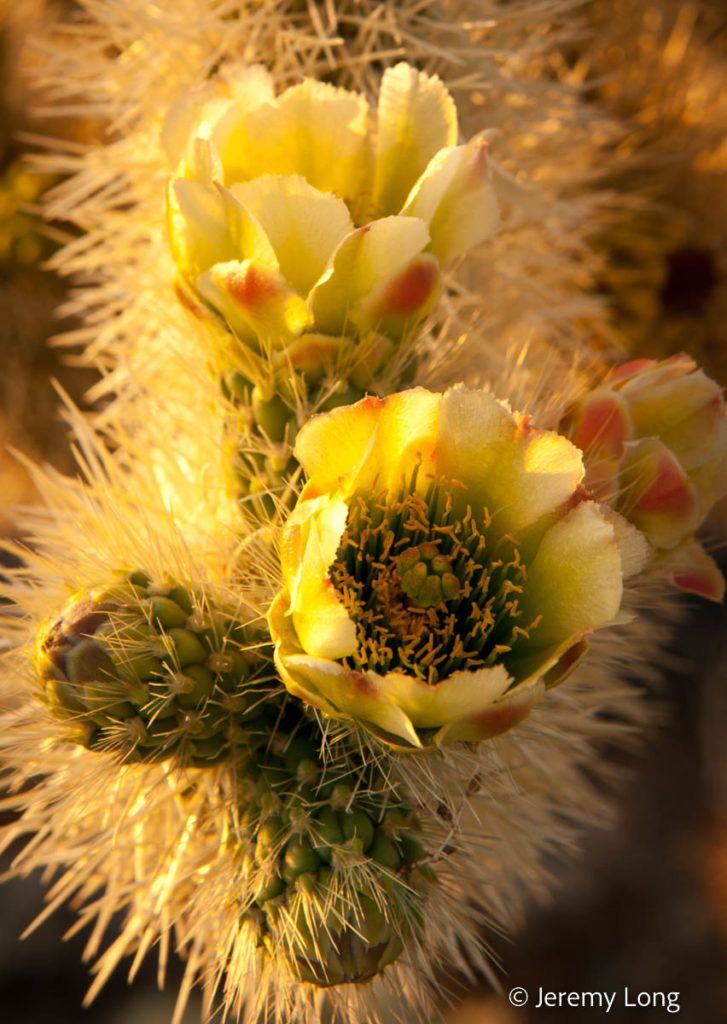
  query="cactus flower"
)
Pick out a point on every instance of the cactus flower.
point(306, 214)
point(654, 438)
point(441, 568)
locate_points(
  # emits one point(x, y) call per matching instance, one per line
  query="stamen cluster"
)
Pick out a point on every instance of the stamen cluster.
point(426, 594)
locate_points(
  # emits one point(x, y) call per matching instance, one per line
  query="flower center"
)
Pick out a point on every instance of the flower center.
point(426, 594)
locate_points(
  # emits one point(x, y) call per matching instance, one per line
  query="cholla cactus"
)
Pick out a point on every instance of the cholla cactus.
point(654, 437)
point(444, 567)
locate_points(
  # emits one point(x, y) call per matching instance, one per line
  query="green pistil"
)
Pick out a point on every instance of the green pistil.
point(427, 595)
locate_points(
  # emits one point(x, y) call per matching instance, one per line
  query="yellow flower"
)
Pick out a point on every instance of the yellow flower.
point(654, 438)
point(441, 568)
point(306, 214)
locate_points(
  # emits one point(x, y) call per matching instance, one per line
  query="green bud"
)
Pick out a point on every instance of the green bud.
point(299, 857)
point(357, 824)
point(385, 852)
point(270, 411)
point(167, 613)
point(187, 648)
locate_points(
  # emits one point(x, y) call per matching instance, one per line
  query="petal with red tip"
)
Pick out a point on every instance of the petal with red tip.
point(657, 495)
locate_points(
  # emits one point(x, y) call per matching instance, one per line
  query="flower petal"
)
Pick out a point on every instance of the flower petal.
point(376, 442)
point(602, 425)
point(461, 694)
point(684, 411)
point(657, 495)
point(308, 546)
point(494, 719)
point(416, 118)
point(691, 569)
point(365, 259)
point(520, 475)
point(304, 226)
point(455, 198)
point(313, 129)
point(359, 695)
point(399, 301)
point(573, 583)
point(207, 226)
point(253, 297)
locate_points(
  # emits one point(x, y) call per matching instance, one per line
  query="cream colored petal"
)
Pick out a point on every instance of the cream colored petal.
point(416, 118)
point(358, 695)
point(204, 164)
point(208, 226)
point(520, 475)
point(313, 129)
point(375, 443)
point(308, 547)
point(364, 260)
point(494, 719)
point(399, 302)
point(249, 85)
point(710, 477)
point(633, 547)
point(461, 694)
point(574, 581)
point(304, 226)
point(253, 297)
point(198, 109)
point(691, 569)
point(287, 644)
point(656, 494)
point(455, 198)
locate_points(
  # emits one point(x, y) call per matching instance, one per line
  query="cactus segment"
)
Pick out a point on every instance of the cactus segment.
point(338, 873)
point(153, 672)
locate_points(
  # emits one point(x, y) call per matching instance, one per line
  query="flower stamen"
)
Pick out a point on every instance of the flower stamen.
point(426, 594)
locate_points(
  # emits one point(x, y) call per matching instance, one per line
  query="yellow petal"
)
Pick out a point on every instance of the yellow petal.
point(459, 695)
point(358, 695)
point(657, 495)
point(313, 129)
point(691, 569)
point(197, 110)
point(574, 581)
point(495, 718)
point(375, 443)
point(365, 259)
point(254, 298)
point(455, 198)
point(416, 118)
point(522, 476)
point(303, 225)
point(397, 303)
point(207, 226)
point(308, 546)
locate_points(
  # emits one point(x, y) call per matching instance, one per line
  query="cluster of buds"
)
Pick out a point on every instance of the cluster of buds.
point(314, 234)
point(152, 672)
point(654, 438)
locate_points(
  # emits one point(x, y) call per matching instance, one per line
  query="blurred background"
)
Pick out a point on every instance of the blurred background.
point(642, 905)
